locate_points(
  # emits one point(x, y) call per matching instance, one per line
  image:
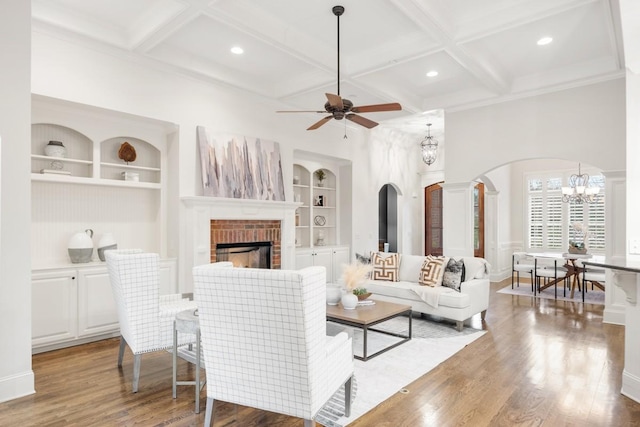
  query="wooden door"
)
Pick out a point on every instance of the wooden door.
point(433, 220)
point(478, 220)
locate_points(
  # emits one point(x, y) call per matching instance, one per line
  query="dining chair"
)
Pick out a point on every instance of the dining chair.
point(265, 343)
point(595, 276)
point(145, 317)
point(521, 262)
point(547, 269)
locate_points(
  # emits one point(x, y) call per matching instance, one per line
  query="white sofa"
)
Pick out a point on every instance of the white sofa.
point(444, 302)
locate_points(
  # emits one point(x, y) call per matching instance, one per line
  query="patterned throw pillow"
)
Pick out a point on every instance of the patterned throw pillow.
point(431, 271)
point(385, 268)
point(363, 259)
point(453, 273)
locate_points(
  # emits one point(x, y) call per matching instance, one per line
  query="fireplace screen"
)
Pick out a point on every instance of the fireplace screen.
point(245, 254)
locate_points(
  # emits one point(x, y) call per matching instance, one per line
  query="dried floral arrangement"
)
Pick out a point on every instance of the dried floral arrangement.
point(354, 275)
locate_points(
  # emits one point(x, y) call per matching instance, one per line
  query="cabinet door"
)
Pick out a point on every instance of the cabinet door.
point(53, 305)
point(168, 277)
point(97, 312)
point(324, 257)
point(341, 257)
point(304, 258)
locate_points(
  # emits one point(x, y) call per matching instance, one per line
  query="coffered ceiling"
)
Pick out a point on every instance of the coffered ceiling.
point(484, 51)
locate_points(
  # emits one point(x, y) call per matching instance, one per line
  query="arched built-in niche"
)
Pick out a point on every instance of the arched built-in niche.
point(388, 217)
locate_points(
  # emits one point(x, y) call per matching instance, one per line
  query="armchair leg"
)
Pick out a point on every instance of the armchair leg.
point(208, 415)
point(309, 423)
point(123, 343)
point(347, 397)
point(459, 325)
point(483, 314)
point(136, 371)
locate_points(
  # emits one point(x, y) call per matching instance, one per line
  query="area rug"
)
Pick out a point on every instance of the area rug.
point(388, 373)
point(595, 296)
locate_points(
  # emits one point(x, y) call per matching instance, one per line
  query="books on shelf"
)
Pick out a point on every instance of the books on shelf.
point(55, 171)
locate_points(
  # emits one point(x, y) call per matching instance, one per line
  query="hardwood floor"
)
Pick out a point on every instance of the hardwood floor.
point(542, 362)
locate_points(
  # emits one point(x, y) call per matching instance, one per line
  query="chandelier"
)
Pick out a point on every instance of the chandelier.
point(429, 147)
point(579, 190)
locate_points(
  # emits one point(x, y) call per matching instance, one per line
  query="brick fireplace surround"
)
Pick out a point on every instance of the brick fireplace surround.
point(252, 230)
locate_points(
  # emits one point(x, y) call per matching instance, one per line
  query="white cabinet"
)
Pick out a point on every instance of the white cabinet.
point(74, 305)
point(53, 302)
point(97, 312)
point(332, 258)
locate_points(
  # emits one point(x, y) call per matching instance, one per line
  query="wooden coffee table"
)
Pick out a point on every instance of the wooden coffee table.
point(369, 315)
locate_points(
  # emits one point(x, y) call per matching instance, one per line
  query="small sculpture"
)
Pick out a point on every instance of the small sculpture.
point(127, 152)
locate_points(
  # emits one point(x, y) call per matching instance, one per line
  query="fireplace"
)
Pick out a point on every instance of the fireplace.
point(234, 233)
point(213, 220)
point(245, 254)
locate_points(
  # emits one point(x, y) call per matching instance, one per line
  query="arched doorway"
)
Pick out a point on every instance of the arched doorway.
point(433, 220)
point(388, 218)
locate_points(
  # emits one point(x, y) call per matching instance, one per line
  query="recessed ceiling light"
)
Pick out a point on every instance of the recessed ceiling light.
point(432, 73)
point(545, 40)
point(237, 50)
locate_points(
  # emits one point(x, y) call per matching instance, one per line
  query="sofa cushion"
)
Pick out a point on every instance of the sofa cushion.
point(410, 266)
point(432, 271)
point(385, 267)
point(453, 273)
point(407, 291)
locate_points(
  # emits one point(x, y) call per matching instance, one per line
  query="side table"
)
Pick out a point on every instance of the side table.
point(187, 322)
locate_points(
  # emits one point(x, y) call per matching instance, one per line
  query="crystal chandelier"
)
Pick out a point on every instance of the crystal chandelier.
point(429, 147)
point(579, 190)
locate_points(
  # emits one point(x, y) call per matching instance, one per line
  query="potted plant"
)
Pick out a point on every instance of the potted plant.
point(321, 175)
point(578, 244)
point(354, 276)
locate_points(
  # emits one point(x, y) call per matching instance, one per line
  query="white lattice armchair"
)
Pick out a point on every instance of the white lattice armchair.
point(145, 316)
point(265, 343)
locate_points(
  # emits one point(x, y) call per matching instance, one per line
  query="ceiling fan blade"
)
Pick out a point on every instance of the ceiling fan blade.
point(393, 106)
point(361, 120)
point(320, 123)
point(335, 101)
point(301, 111)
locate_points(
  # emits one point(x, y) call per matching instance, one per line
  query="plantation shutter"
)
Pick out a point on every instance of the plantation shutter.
point(535, 220)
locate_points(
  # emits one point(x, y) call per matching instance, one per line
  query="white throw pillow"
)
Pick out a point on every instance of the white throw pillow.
point(410, 266)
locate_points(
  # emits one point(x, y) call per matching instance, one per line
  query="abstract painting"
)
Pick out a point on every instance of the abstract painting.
point(240, 167)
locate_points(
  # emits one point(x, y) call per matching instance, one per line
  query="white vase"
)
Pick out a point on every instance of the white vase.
point(334, 294)
point(349, 301)
point(81, 247)
point(107, 241)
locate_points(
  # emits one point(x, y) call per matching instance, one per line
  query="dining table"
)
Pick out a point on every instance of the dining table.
point(570, 263)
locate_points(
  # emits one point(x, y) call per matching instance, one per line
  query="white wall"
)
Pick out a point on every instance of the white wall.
point(584, 124)
point(16, 376)
point(575, 125)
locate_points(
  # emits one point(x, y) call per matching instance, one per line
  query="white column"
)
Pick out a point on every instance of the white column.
point(457, 219)
point(615, 248)
point(491, 221)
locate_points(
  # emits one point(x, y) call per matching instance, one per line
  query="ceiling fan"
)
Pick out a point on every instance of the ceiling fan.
point(341, 108)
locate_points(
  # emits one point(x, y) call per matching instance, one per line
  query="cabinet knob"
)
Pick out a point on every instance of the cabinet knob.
point(73, 277)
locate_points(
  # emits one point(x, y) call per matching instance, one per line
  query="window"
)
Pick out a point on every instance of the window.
point(549, 220)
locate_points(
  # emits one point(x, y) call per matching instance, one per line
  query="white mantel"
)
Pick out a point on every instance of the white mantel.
point(199, 211)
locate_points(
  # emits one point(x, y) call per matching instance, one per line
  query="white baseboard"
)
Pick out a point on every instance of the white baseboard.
point(614, 316)
point(630, 386)
point(16, 386)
